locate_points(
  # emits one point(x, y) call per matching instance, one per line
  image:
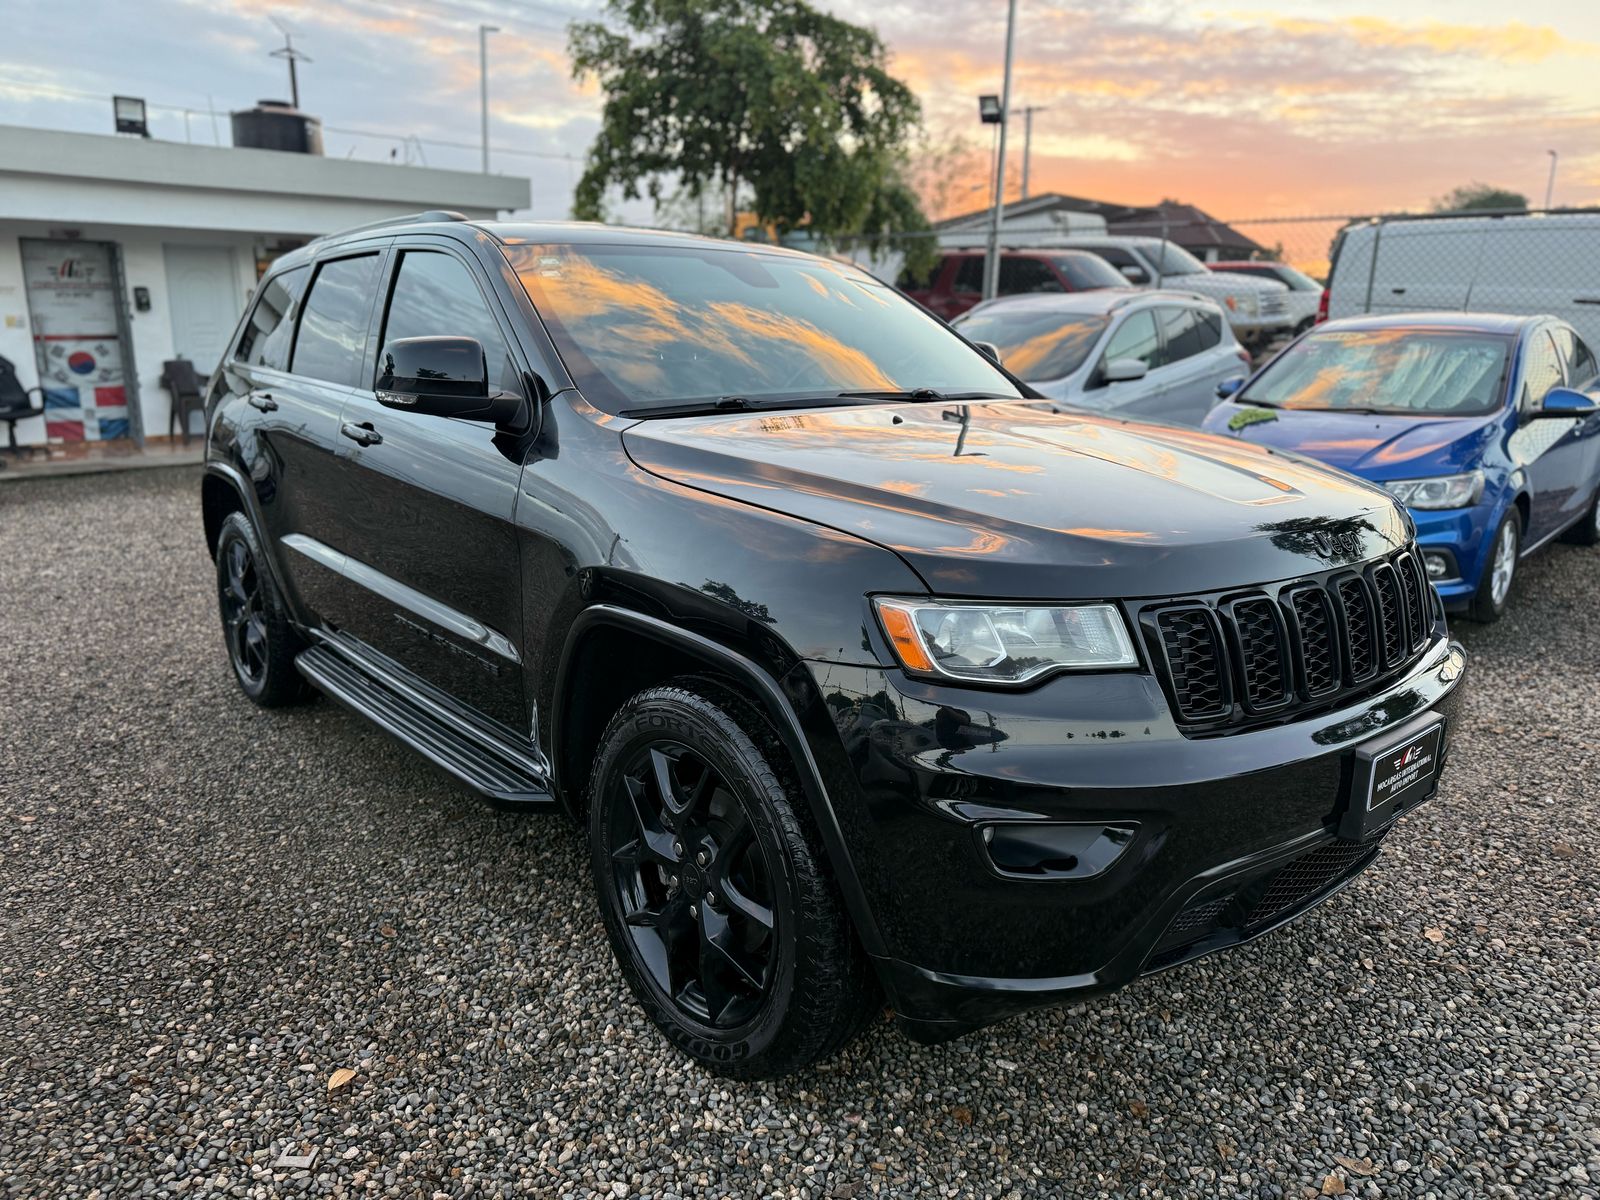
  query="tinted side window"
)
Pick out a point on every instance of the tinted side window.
point(1209, 324)
point(1579, 360)
point(1541, 370)
point(270, 329)
point(1134, 338)
point(1182, 331)
point(333, 320)
point(1119, 258)
point(969, 276)
point(1026, 275)
point(435, 295)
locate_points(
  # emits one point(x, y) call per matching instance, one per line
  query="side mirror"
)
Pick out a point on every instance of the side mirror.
point(1229, 387)
point(1134, 274)
point(990, 349)
point(1125, 370)
point(442, 377)
point(1565, 402)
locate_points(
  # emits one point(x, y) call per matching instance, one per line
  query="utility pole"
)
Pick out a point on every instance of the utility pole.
point(483, 84)
point(1027, 141)
point(991, 264)
point(1550, 184)
point(287, 51)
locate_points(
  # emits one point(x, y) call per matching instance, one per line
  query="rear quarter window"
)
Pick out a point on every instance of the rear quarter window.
point(270, 330)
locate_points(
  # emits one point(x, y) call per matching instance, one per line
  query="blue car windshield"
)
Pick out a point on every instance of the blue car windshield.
point(1405, 371)
point(643, 325)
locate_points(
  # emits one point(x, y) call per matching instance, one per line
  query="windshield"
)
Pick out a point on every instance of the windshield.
point(1036, 345)
point(1422, 371)
point(1175, 260)
point(1086, 272)
point(641, 326)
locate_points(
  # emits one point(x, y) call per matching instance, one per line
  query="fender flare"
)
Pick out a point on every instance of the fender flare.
point(235, 479)
point(784, 720)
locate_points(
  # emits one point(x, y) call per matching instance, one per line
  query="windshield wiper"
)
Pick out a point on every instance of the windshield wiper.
point(922, 393)
point(692, 408)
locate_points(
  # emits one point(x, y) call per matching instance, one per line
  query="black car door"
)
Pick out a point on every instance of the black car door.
point(288, 360)
point(427, 527)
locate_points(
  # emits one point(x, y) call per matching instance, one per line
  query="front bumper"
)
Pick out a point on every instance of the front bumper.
point(1457, 538)
point(918, 772)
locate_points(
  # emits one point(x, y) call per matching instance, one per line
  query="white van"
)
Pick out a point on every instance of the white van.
point(1526, 264)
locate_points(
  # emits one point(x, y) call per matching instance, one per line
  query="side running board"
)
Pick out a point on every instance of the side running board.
point(499, 773)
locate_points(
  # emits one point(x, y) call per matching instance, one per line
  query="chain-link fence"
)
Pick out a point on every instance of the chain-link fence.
point(1513, 262)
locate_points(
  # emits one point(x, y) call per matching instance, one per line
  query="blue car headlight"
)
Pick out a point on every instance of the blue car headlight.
point(1438, 491)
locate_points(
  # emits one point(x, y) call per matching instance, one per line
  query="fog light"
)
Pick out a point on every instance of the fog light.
point(1055, 851)
point(1437, 564)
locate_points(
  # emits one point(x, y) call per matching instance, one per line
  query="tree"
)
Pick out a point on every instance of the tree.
point(1476, 196)
point(768, 100)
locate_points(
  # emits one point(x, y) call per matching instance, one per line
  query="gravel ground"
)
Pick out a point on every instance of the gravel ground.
point(209, 910)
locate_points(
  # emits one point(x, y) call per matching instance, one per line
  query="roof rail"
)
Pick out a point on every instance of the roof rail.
point(432, 214)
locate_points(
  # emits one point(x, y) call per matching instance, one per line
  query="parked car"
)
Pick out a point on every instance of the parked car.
point(1147, 355)
point(1485, 426)
point(866, 674)
point(1305, 293)
point(955, 283)
point(1258, 309)
point(1533, 265)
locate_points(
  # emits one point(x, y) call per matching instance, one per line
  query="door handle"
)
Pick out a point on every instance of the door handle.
point(263, 401)
point(1586, 299)
point(361, 435)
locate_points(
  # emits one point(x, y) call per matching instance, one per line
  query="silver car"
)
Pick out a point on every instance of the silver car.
point(1148, 355)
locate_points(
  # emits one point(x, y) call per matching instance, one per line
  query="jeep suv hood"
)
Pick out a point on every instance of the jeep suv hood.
point(1008, 499)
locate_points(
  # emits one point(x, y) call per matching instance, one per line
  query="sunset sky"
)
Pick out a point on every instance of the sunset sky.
point(1337, 106)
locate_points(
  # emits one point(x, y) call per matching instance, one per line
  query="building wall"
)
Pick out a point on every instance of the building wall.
point(150, 333)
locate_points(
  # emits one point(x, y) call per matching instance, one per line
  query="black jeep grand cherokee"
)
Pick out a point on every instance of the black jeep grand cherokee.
point(863, 668)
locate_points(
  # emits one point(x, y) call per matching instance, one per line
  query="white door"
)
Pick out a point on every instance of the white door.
point(204, 299)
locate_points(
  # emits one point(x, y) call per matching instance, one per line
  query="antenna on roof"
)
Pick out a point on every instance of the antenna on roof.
point(287, 51)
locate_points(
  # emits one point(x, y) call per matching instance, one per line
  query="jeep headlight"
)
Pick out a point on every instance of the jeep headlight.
point(1003, 643)
point(1438, 491)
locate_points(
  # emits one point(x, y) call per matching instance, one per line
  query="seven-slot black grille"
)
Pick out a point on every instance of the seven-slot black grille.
point(1236, 657)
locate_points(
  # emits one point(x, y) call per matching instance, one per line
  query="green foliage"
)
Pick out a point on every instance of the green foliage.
point(1475, 196)
point(1250, 416)
point(791, 105)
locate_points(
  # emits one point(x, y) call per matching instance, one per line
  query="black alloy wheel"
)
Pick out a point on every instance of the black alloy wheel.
point(695, 888)
point(714, 886)
point(244, 617)
point(262, 642)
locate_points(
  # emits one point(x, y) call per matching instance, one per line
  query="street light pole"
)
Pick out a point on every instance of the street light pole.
point(991, 265)
point(1550, 184)
point(483, 84)
point(1027, 142)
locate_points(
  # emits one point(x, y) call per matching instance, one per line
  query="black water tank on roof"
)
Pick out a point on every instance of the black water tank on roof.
point(275, 125)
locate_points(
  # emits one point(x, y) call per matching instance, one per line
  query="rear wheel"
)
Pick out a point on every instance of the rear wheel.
point(262, 644)
point(1587, 531)
point(713, 887)
point(1494, 587)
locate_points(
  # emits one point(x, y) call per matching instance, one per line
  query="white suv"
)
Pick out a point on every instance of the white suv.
point(1258, 309)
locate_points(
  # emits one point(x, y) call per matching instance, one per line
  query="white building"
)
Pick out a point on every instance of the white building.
point(120, 253)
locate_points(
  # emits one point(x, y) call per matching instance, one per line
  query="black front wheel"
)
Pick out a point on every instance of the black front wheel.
point(713, 886)
point(262, 644)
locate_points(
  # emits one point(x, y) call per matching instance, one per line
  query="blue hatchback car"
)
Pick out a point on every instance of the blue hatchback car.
point(1486, 427)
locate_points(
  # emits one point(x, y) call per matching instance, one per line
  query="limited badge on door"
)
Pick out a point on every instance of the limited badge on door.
point(1391, 774)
